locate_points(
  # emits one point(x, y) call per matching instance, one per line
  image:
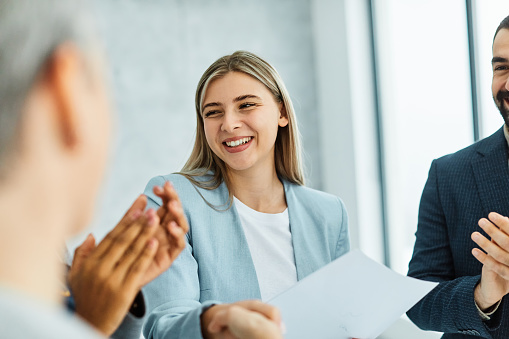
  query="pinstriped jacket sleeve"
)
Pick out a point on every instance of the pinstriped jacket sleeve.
point(450, 307)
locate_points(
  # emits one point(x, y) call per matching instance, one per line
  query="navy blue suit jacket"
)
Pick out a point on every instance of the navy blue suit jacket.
point(461, 189)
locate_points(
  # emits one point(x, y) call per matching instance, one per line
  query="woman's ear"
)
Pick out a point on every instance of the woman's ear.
point(283, 116)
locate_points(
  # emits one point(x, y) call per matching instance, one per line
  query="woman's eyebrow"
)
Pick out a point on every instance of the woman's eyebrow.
point(246, 96)
point(210, 104)
point(237, 99)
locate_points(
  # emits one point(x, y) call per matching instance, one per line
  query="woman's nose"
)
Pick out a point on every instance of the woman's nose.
point(231, 121)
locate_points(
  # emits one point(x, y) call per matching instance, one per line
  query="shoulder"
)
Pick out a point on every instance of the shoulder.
point(465, 156)
point(319, 216)
point(316, 202)
point(314, 196)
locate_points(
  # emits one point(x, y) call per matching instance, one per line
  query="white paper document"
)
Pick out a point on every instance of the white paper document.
point(352, 297)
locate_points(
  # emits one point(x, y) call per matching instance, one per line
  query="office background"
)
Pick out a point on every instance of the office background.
point(380, 87)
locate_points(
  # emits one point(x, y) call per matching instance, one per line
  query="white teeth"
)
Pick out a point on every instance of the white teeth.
point(238, 142)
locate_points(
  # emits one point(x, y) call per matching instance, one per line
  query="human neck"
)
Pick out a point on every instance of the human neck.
point(32, 231)
point(260, 190)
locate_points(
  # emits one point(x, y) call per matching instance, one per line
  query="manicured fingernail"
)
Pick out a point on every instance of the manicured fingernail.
point(476, 236)
point(173, 224)
point(475, 253)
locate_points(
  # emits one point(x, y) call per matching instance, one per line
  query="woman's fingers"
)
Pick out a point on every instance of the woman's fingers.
point(169, 196)
point(178, 215)
point(178, 242)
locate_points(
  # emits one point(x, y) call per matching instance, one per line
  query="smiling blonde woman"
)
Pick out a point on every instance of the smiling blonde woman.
point(255, 229)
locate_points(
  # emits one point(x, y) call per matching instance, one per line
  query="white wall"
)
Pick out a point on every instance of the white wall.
point(345, 94)
point(425, 102)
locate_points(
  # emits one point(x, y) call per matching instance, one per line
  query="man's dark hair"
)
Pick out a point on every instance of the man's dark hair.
point(503, 25)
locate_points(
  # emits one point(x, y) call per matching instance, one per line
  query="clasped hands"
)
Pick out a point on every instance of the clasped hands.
point(494, 282)
point(106, 278)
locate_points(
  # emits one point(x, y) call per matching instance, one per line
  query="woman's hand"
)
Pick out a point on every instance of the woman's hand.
point(105, 279)
point(249, 319)
point(171, 233)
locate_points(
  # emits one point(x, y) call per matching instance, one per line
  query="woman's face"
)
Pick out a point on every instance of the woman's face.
point(241, 120)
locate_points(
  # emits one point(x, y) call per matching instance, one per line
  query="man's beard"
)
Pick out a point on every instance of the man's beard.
point(500, 102)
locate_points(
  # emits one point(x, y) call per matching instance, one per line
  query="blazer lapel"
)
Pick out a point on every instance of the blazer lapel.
point(227, 232)
point(244, 256)
point(491, 171)
point(305, 240)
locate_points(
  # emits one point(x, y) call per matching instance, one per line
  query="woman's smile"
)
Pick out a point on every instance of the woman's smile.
point(237, 144)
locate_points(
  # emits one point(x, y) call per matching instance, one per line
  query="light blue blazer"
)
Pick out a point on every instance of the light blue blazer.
point(216, 266)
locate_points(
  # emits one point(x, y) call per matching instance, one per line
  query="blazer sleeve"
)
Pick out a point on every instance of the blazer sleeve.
point(450, 307)
point(173, 298)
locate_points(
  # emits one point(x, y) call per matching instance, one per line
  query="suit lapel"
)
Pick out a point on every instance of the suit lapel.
point(491, 173)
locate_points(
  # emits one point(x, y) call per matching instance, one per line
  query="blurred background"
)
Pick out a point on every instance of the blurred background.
point(381, 88)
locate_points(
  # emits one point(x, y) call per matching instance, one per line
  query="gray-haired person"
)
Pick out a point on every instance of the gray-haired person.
point(54, 128)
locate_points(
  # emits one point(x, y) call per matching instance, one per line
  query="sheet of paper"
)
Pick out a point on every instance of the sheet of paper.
point(352, 297)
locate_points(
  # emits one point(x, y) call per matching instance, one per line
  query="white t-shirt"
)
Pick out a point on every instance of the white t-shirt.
point(270, 243)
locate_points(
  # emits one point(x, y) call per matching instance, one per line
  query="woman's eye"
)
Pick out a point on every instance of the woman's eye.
point(210, 114)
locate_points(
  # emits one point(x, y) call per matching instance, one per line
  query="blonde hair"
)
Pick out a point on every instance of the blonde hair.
point(287, 154)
